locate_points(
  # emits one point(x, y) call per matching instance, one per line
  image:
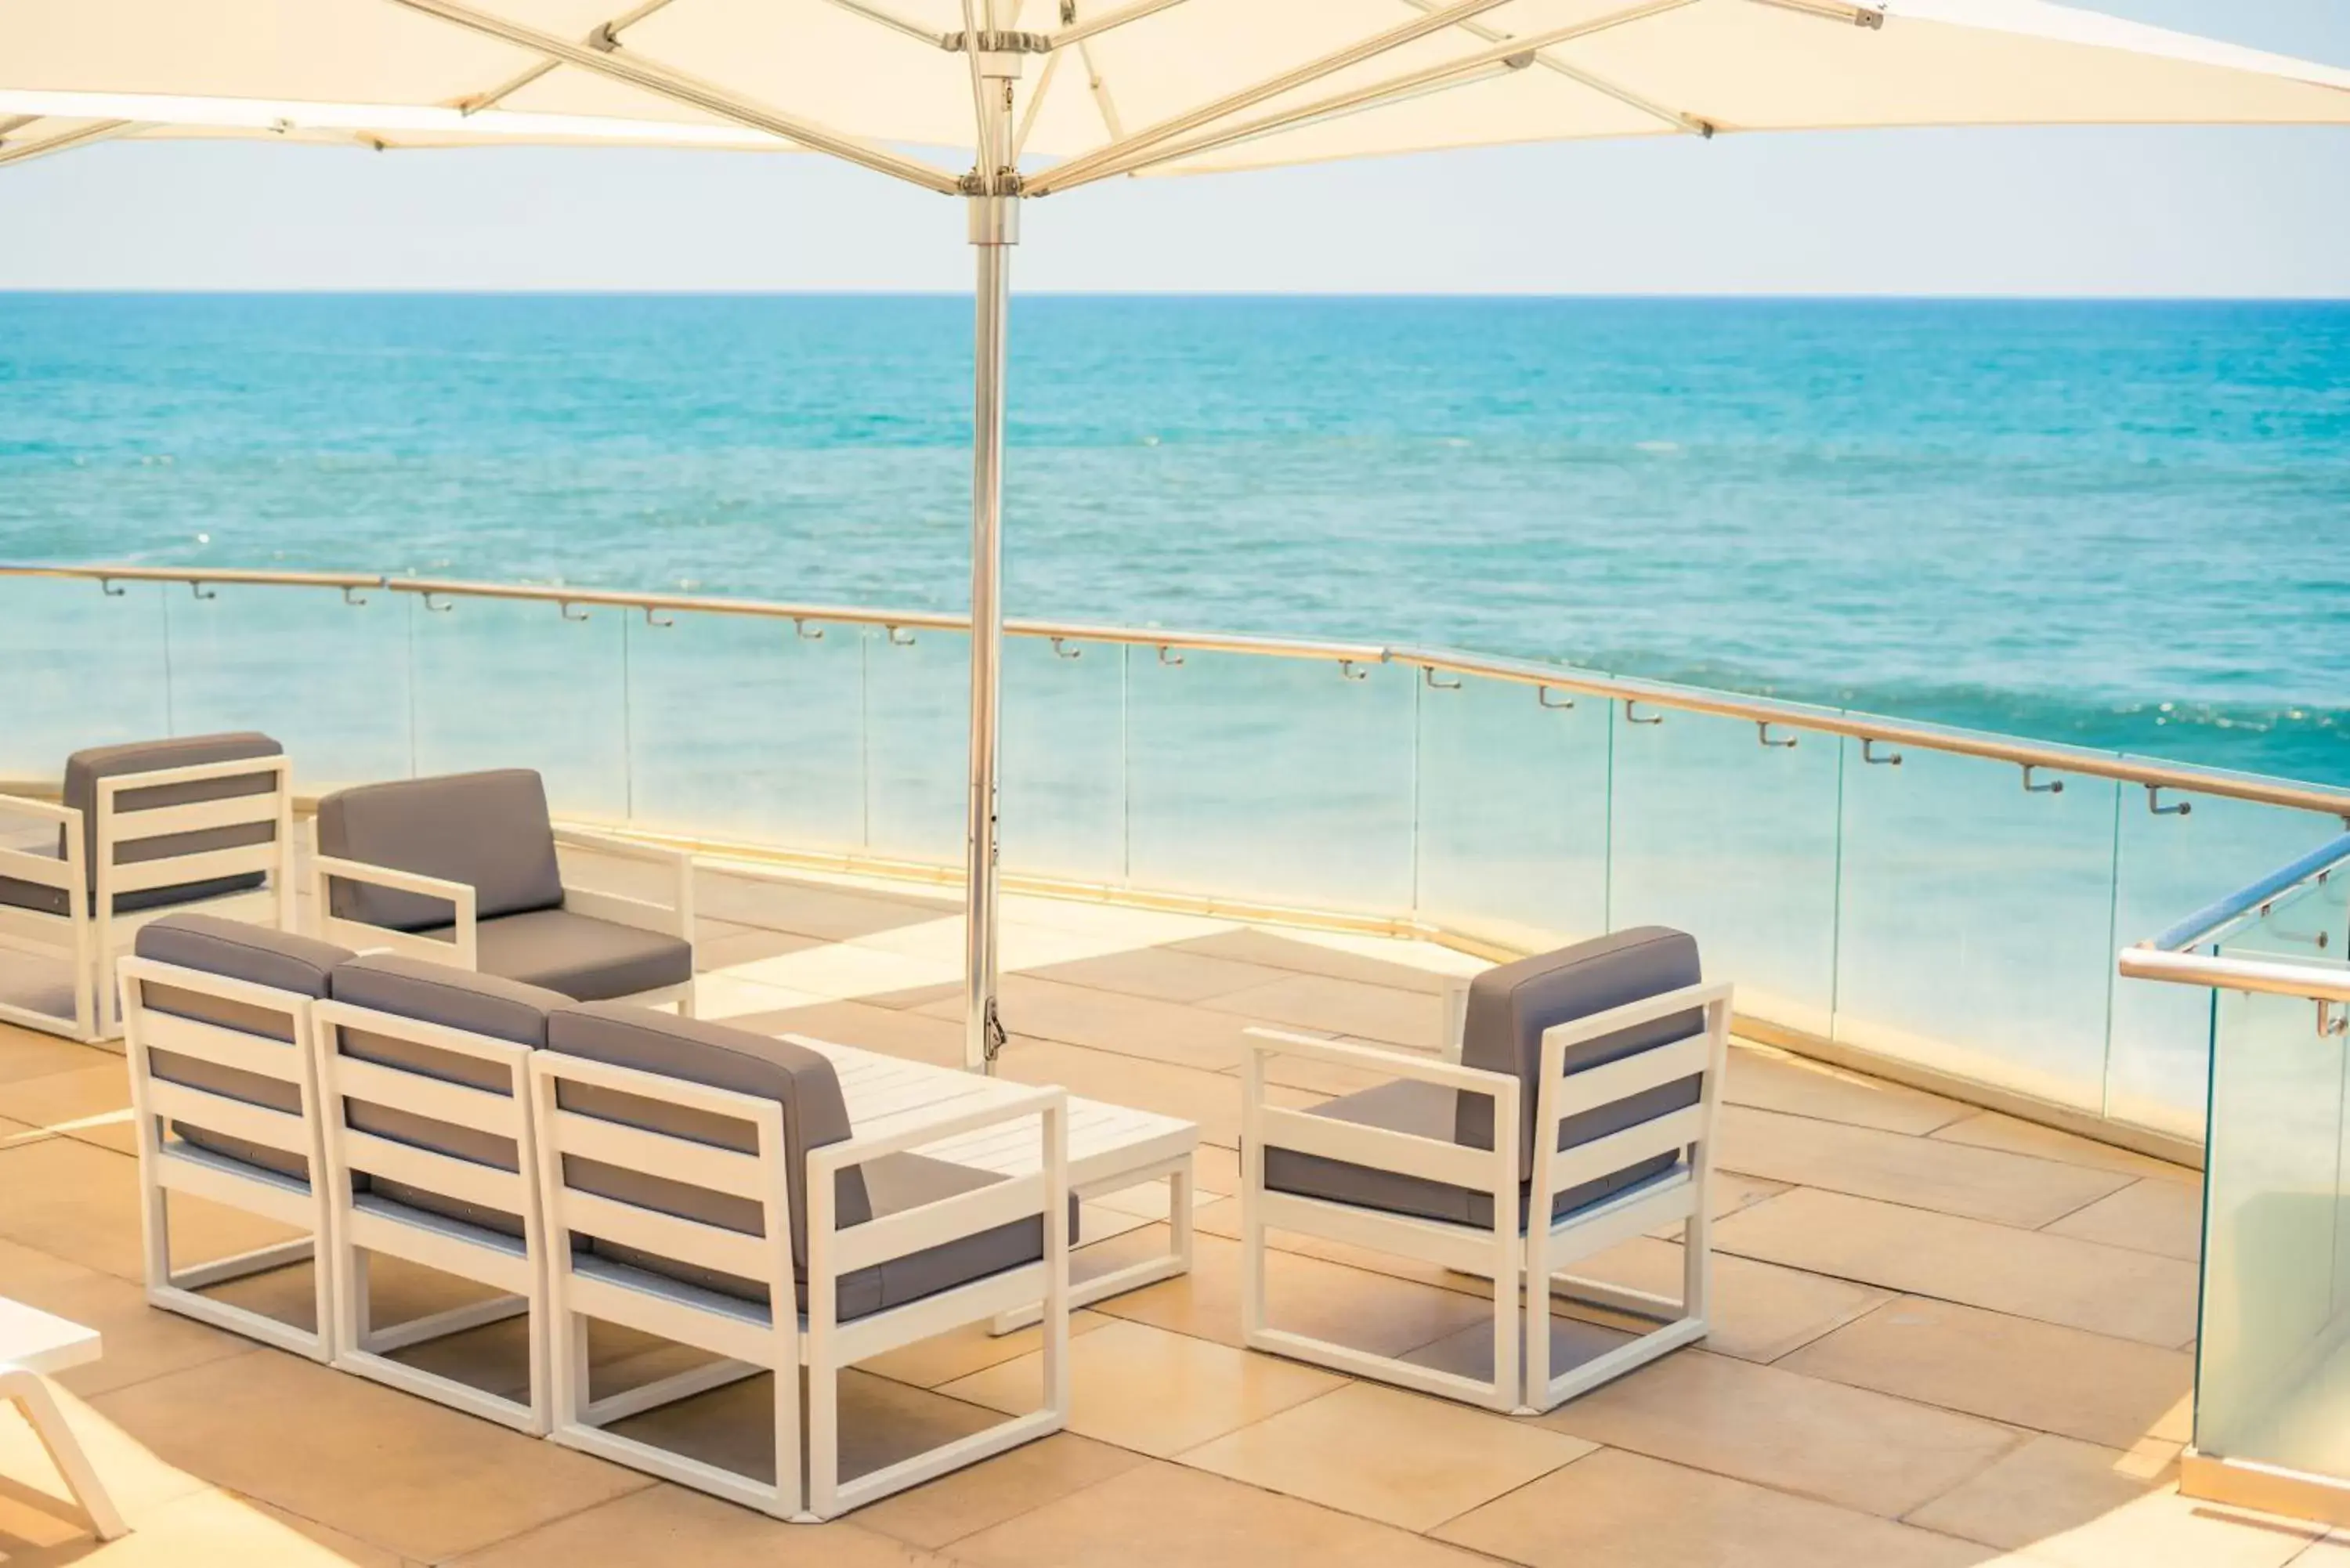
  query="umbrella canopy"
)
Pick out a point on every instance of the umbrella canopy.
point(1006, 100)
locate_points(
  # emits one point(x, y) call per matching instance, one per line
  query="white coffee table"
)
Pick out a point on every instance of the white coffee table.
point(34, 1345)
point(1111, 1147)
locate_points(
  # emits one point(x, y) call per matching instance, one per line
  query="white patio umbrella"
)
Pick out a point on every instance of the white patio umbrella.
point(1053, 95)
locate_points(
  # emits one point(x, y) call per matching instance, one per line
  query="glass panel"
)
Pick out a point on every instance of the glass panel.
point(917, 743)
point(746, 728)
point(1280, 780)
point(2158, 1064)
point(1063, 767)
point(1734, 842)
point(2272, 1374)
point(85, 667)
point(524, 683)
point(326, 676)
point(1512, 812)
point(1976, 925)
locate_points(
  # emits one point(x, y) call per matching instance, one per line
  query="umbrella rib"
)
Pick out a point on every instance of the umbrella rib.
point(1078, 170)
point(66, 140)
point(1598, 84)
point(662, 81)
point(1451, 73)
point(1102, 100)
point(605, 34)
point(1078, 33)
point(1035, 104)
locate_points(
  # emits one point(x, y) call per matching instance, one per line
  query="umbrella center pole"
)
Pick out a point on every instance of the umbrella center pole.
point(993, 194)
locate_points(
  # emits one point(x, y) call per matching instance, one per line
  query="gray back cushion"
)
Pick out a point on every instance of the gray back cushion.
point(793, 1077)
point(265, 956)
point(84, 769)
point(457, 999)
point(488, 830)
point(1510, 1005)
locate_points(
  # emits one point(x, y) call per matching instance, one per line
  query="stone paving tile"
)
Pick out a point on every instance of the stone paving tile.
point(1949, 1179)
point(664, 1525)
point(80, 1202)
point(1990, 1129)
point(1852, 1446)
point(140, 1342)
point(90, 1102)
point(212, 1529)
point(2013, 1369)
point(29, 1054)
point(1401, 1459)
point(1163, 973)
point(1759, 1311)
point(1108, 1022)
point(2026, 1273)
point(1300, 953)
point(2150, 1216)
point(1151, 1391)
point(2047, 1486)
point(1626, 1510)
point(966, 1501)
point(1771, 1079)
point(1166, 1516)
point(1412, 1019)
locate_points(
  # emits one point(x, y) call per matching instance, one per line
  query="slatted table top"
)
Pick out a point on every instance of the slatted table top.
point(38, 1342)
point(1105, 1141)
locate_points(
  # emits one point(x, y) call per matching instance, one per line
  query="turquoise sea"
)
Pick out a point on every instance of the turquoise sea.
point(2122, 524)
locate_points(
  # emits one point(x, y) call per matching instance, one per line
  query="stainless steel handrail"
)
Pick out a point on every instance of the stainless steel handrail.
point(2207, 922)
point(2276, 979)
point(2077, 760)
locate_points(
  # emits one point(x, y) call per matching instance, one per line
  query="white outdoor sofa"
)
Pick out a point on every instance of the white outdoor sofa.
point(1581, 1087)
point(462, 870)
point(599, 1161)
point(140, 830)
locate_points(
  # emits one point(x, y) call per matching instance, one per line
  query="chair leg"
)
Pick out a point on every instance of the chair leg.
point(823, 1440)
point(30, 1393)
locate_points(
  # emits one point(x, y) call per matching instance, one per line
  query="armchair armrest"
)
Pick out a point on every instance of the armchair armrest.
point(63, 871)
point(674, 919)
point(1265, 1043)
point(1384, 1149)
point(1455, 1023)
point(458, 896)
point(834, 1250)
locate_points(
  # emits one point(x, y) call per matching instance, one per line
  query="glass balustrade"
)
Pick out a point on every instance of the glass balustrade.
point(1934, 910)
point(2272, 1374)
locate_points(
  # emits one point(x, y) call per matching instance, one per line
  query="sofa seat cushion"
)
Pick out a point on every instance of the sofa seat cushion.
point(488, 830)
point(896, 1183)
point(1431, 1111)
point(585, 958)
point(236, 950)
point(483, 1004)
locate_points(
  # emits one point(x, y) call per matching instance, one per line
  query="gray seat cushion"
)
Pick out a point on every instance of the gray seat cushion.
point(265, 956)
point(585, 958)
point(84, 769)
point(480, 1004)
point(1509, 1008)
point(488, 830)
point(803, 1084)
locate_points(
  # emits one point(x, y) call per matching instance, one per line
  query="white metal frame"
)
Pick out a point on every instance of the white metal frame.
point(357, 1231)
point(674, 919)
point(90, 935)
point(1521, 1382)
point(33, 1345)
point(807, 1485)
point(169, 1166)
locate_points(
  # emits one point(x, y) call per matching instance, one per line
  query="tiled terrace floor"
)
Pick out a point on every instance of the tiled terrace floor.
point(1945, 1337)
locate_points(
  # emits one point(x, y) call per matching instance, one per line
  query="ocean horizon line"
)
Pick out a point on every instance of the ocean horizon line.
point(1790, 297)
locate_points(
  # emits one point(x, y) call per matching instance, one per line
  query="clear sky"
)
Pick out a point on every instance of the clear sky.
point(2075, 211)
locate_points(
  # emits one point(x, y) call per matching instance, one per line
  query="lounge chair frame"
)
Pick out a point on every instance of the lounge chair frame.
point(1523, 1382)
point(91, 934)
point(807, 1485)
point(169, 1166)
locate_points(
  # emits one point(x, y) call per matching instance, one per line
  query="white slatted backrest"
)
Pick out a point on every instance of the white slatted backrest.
point(116, 825)
point(1561, 1094)
point(763, 1178)
point(147, 1029)
point(343, 1078)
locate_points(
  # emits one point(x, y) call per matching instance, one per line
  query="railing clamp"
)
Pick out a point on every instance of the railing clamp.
point(196, 586)
point(107, 587)
point(1061, 650)
point(1170, 661)
point(1762, 734)
point(2054, 786)
point(352, 595)
point(443, 607)
point(1869, 755)
point(907, 640)
point(800, 627)
point(2328, 1024)
point(2154, 804)
point(1541, 695)
point(566, 606)
point(1632, 717)
point(1428, 674)
point(654, 618)
point(1348, 670)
